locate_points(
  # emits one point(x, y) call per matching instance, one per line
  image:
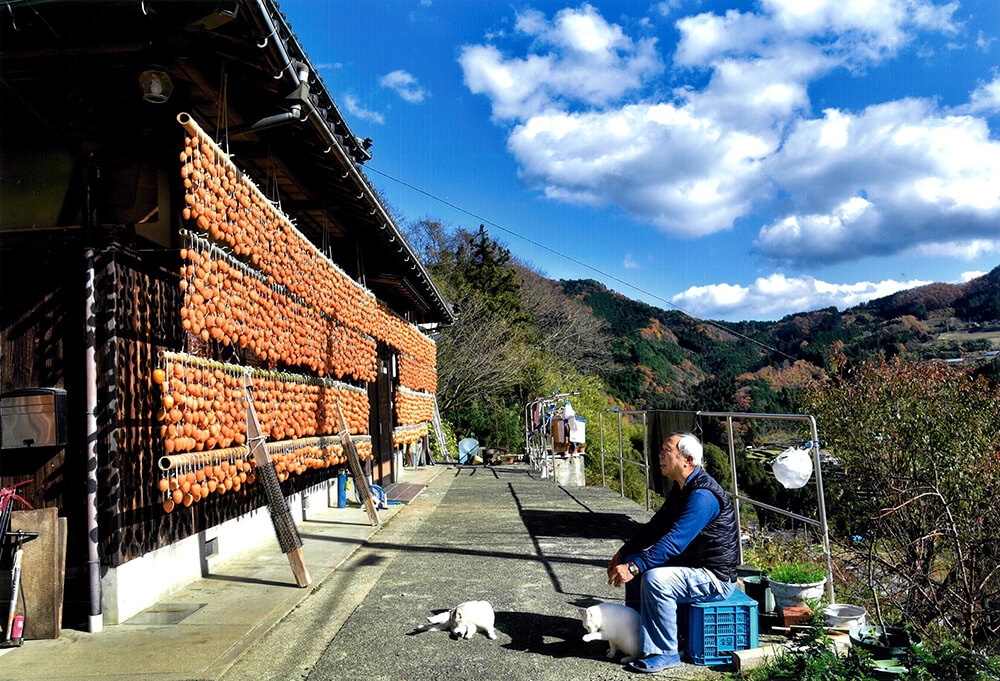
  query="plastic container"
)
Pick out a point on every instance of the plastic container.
point(756, 587)
point(893, 644)
point(843, 616)
point(796, 595)
point(714, 630)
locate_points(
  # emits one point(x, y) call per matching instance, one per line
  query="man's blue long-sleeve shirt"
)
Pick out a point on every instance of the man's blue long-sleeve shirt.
point(666, 541)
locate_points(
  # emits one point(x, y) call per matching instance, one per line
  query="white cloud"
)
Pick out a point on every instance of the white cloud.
point(686, 174)
point(914, 169)
point(355, 108)
point(588, 122)
point(667, 7)
point(629, 263)
point(405, 85)
point(984, 99)
point(960, 250)
point(855, 31)
point(587, 61)
point(777, 295)
point(969, 276)
point(706, 37)
point(983, 42)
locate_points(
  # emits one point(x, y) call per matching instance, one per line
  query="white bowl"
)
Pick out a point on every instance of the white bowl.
point(843, 616)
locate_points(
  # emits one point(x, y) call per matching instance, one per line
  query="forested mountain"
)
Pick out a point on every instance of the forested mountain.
point(661, 356)
point(521, 335)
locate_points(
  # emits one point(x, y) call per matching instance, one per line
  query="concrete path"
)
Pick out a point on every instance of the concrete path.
point(535, 550)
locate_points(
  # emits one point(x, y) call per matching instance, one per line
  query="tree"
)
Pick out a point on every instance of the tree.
point(479, 358)
point(920, 448)
point(566, 328)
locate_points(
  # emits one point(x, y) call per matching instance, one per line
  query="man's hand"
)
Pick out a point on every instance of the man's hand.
point(619, 575)
point(613, 563)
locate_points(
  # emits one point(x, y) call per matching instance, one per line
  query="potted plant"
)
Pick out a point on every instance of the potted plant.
point(793, 584)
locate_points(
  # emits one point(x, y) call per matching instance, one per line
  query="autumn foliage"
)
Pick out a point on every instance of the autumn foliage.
point(920, 449)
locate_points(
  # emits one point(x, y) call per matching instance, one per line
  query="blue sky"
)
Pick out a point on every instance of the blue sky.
point(740, 160)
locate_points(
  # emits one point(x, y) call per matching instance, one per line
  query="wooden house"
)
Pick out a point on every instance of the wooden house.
point(184, 217)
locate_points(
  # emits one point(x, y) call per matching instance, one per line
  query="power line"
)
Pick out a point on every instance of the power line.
point(576, 261)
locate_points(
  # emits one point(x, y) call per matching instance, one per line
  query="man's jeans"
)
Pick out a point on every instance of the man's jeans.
point(656, 599)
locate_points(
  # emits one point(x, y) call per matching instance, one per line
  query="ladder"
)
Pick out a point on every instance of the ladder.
point(439, 432)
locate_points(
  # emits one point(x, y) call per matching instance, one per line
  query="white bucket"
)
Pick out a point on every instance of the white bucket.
point(795, 595)
point(843, 616)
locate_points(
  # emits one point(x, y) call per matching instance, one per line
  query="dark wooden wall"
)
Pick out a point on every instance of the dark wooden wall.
point(42, 277)
point(42, 282)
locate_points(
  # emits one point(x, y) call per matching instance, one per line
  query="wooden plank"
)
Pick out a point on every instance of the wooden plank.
point(39, 573)
point(281, 516)
point(354, 465)
point(61, 574)
point(298, 563)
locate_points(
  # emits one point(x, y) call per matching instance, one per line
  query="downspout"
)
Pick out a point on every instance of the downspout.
point(293, 115)
point(96, 619)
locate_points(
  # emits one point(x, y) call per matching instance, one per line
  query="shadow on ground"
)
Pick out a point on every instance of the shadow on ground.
point(550, 635)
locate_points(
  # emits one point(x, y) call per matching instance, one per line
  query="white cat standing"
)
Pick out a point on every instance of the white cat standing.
point(616, 624)
point(464, 620)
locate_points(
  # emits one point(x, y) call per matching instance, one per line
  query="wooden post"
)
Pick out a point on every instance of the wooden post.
point(281, 516)
point(364, 492)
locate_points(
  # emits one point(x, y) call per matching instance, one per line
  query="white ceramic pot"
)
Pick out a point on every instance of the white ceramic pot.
point(795, 595)
point(843, 616)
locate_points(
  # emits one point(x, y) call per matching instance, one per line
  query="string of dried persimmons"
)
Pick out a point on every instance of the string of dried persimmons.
point(223, 204)
point(228, 301)
point(413, 407)
point(416, 375)
point(251, 280)
point(404, 435)
point(203, 419)
point(189, 478)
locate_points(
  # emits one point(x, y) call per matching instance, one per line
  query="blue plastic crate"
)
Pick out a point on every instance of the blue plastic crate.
point(711, 631)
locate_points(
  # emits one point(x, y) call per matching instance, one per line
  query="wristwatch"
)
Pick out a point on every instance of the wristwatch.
point(634, 569)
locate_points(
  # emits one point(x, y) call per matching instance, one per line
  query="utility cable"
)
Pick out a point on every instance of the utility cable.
point(578, 262)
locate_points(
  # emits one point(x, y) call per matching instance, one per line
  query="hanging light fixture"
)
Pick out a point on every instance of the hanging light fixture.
point(156, 85)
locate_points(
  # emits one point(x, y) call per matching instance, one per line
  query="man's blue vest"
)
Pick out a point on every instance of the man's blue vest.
point(717, 546)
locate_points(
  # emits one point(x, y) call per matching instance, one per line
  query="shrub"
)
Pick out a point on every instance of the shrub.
point(920, 451)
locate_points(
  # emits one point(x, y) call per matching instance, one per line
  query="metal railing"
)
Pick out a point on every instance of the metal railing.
point(537, 440)
point(644, 464)
point(820, 523)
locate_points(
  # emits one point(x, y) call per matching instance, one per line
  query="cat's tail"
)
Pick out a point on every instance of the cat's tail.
point(429, 627)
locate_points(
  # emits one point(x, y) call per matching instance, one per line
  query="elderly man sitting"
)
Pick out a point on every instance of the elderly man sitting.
point(686, 553)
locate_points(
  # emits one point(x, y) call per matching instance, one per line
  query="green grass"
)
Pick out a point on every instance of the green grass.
point(797, 573)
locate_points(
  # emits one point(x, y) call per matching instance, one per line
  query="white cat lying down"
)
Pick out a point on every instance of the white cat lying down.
point(616, 624)
point(464, 620)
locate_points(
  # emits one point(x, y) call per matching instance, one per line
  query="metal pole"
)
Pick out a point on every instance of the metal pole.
point(645, 455)
point(822, 509)
point(527, 429)
point(600, 419)
point(621, 457)
point(736, 489)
